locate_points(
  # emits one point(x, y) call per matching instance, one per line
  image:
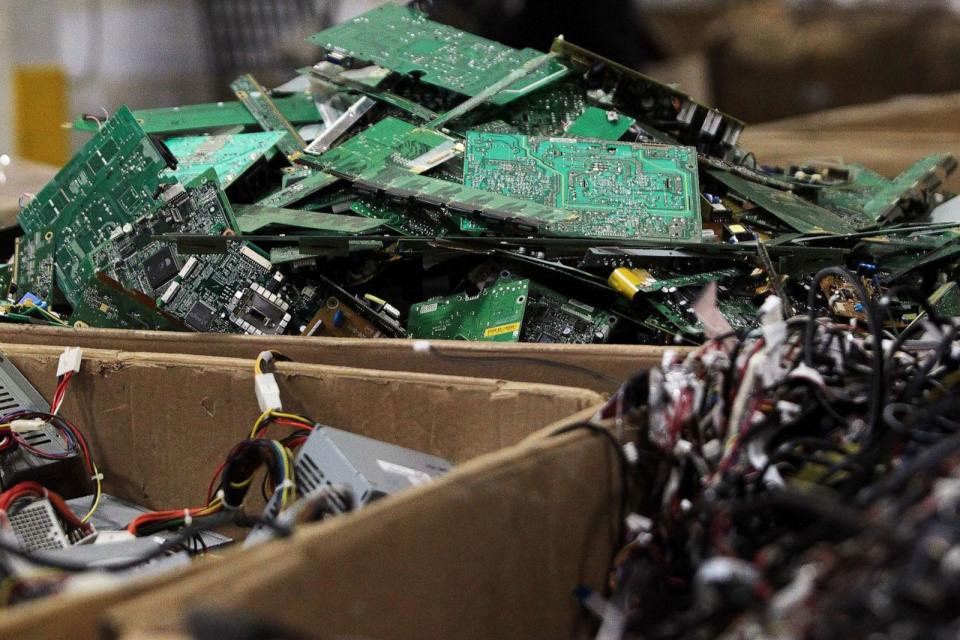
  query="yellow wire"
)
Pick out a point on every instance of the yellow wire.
point(96, 500)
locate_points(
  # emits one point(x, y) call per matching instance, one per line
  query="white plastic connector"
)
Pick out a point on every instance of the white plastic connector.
point(268, 393)
point(69, 361)
point(421, 346)
point(24, 426)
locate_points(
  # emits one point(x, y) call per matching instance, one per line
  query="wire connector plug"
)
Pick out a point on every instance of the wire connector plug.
point(268, 392)
point(69, 361)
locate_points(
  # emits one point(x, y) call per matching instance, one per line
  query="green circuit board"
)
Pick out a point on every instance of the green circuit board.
point(669, 283)
point(391, 144)
point(34, 265)
point(253, 218)
point(265, 111)
point(677, 308)
point(871, 198)
point(552, 317)
point(294, 192)
point(619, 189)
point(380, 161)
point(660, 106)
point(403, 40)
point(549, 112)
point(140, 262)
point(112, 181)
point(229, 155)
point(299, 108)
point(789, 208)
point(230, 292)
point(105, 303)
point(493, 315)
point(603, 124)
point(395, 220)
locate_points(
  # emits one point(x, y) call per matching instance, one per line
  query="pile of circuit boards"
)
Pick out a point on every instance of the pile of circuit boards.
point(423, 182)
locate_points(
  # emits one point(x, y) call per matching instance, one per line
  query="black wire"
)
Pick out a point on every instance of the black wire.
point(873, 324)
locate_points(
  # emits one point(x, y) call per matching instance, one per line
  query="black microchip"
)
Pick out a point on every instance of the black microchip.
point(161, 267)
point(199, 317)
point(263, 314)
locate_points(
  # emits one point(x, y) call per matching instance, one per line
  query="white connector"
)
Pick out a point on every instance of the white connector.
point(69, 361)
point(26, 426)
point(268, 392)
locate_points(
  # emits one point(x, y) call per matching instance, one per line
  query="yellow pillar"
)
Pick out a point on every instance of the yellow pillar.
point(40, 109)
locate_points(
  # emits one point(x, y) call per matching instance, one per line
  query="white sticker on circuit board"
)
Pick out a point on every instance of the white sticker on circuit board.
point(415, 476)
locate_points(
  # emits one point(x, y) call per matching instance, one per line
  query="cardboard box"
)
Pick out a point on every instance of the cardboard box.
point(160, 423)
point(493, 550)
point(598, 367)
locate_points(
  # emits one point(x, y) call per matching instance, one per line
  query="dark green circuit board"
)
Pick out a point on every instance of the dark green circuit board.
point(676, 308)
point(618, 189)
point(548, 112)
point(33, 265)
point(293, 192)
point(112, 181)
point(267, 114)
point(551, 317)
point(253, 218)
point(602, 124)
point(493, 315)
point(391, 144)
point(618, 87)
point(229, 155)
point(379, 161)
point(395, 220)
point(236, 291)
point(141, 263)
point(403, 40)
point(789, 208)
point(872, 198)
point(106, 303)
point(298, 108)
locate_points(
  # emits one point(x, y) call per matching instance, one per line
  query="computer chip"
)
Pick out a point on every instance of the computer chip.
point(258, 311)
point(199, 317)
point(161, 267)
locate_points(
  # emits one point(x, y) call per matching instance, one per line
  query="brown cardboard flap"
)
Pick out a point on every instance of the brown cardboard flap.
point(159, 424)
point(494, 550)
point(598, 367)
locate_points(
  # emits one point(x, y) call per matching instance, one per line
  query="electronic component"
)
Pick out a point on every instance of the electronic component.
point(112, 182)
point(370, 468)
point(229, 155)
point(299, 108)
point(259, 311)
point(494, 314)
point(618, 189)
point(161, 267)
point(403, 40)
point(553, 318)
point(638, 96)
point(267, 114)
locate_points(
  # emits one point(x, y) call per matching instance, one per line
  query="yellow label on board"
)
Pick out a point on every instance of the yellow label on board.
point(504, 328)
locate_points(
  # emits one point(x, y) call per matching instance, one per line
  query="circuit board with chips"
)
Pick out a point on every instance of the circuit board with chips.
point(551, 317)
point(113, 181)
point(495, 314)
point(403, 40)
point(139, 261)
point(618, 189)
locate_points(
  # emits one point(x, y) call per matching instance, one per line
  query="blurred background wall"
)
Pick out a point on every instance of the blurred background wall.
point(758, 59)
